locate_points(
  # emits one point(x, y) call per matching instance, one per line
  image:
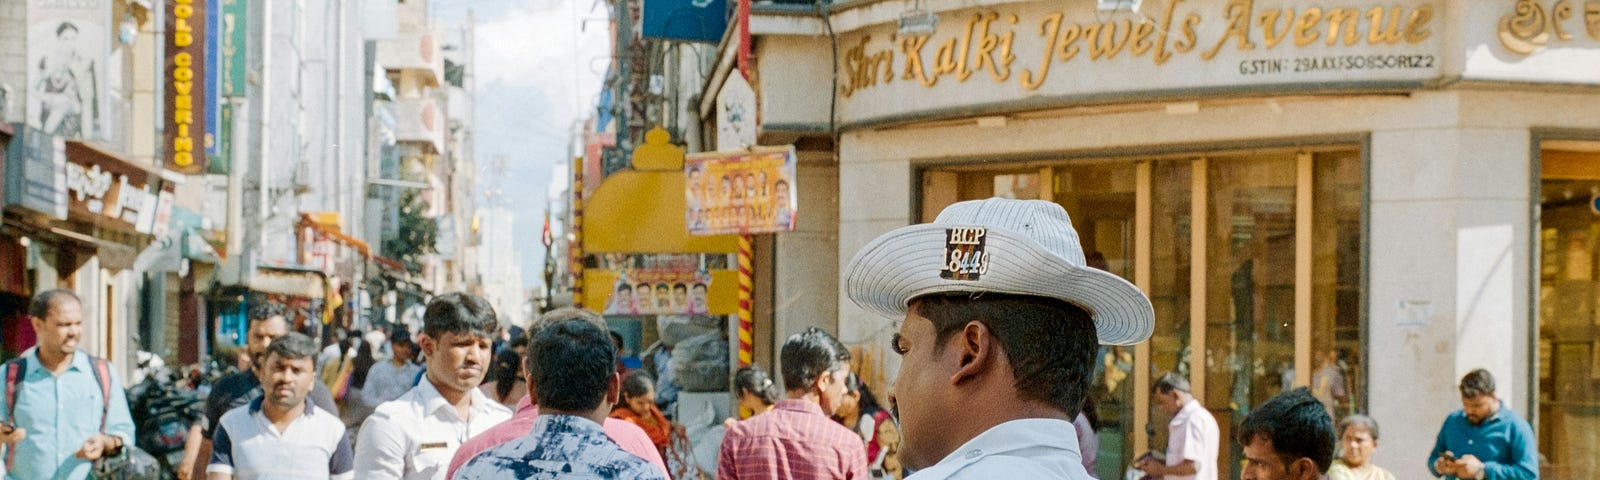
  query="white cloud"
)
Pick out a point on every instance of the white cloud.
point(547, 46)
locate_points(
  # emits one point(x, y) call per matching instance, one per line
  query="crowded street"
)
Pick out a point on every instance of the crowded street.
point(800, 239)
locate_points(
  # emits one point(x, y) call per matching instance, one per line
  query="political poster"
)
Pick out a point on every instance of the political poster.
point(741, 192)
point(659, 292)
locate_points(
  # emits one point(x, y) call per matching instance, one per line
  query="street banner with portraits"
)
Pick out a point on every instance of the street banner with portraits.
point(67, 45)
point(659, 292)
point(741, 192)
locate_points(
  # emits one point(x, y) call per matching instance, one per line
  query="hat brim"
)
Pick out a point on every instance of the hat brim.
point(905, 263)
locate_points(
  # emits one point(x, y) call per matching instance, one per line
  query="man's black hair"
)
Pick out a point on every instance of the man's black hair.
point(1477, 383)
point(64, 27)
point(47, 300)
point(625, 287)
point(293, 346)
point(571, 363)
point(460, 313)
point(266, 310)
point(1297, 425)
point(807, 354)
point(1051, 343)
point(680, 286)
point(1171, 381)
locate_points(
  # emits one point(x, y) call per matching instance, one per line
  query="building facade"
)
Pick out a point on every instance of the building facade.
point(1367, 198)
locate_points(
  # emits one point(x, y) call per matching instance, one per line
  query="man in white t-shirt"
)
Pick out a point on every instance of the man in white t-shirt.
point(1193, 438)
point(282, 434)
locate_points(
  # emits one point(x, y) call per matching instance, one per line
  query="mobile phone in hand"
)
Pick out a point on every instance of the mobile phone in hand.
point(6, 427)
point(1448, 456)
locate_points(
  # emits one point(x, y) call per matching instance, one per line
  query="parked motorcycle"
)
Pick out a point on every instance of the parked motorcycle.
point(163, 412)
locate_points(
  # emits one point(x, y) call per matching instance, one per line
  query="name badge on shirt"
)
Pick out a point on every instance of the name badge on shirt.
point(431, 446)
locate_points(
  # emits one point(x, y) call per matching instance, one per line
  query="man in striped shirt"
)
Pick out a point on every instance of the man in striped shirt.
point(798, 440)
point(281, 434)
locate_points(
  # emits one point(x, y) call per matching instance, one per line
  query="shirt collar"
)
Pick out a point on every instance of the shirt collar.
point(1027, 433)
point(526, 405)
point(80, 361)
point(432, 401)
point(566, 424)
point(800, 406)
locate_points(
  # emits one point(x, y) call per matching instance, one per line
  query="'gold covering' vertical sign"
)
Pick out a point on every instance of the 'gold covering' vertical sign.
point(184, 135)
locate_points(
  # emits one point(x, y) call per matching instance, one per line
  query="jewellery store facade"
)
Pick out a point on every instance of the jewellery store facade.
point(1367, 197)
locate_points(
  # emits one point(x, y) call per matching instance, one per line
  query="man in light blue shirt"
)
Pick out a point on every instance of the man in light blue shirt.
point(60, 425)
point(1484, 440)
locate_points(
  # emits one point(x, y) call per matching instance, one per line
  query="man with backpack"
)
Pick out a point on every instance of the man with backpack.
point(50, 433)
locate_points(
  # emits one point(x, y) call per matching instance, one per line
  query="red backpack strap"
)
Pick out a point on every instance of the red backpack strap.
point(102, 376)
point(14, 371)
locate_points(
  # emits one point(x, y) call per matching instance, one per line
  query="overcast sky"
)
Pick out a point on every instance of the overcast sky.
point(540, 64)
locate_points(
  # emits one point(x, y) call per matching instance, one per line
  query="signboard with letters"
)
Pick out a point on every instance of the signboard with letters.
point(110, 192)
point(183, 140)
point(36, 172)
point(687, 20)
point(1067, 50)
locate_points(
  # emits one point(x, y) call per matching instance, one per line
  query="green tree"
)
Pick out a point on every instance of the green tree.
point(416, 233)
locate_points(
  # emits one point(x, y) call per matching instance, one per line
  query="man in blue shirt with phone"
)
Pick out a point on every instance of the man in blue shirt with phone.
point(1484, 440)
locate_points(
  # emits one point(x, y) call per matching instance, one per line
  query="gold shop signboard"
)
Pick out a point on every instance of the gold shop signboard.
point(1068, 51)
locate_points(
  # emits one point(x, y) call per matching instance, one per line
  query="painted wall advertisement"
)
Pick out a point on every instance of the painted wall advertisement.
point(67, 45)
point(741, 192)
point(184, 136)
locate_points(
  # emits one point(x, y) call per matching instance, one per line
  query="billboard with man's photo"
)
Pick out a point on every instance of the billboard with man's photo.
point(67, 45)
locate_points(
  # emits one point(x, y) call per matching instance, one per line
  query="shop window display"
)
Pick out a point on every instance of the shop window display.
point(1568, 422)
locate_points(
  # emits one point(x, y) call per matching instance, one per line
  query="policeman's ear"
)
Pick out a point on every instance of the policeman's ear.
point(975, 345)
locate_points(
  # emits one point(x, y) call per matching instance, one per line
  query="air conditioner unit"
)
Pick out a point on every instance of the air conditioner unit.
point(1116, 5)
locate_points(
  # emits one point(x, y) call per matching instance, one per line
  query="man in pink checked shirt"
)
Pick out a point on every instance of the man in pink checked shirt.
point(629, 436)
point(797, 439)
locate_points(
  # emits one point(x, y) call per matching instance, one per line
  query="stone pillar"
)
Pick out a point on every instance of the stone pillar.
point(1448, 277)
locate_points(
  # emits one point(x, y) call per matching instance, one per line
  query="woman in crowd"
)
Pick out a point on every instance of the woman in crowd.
point(755, 392)
point(508, 386)
point(638, 407)
point(859, 411)
point(1358, 439)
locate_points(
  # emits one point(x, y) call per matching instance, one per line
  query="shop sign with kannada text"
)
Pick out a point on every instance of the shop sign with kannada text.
point(1541, 41)
point(1013, 52)
point(110, 193)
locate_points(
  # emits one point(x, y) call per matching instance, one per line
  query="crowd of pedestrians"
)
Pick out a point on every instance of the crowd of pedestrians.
point(1002, 321)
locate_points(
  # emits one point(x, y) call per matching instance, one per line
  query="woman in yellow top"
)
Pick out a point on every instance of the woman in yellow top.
point(1358, 439)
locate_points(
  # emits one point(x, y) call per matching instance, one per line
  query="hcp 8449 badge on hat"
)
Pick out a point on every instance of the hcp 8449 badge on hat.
point(964, 254)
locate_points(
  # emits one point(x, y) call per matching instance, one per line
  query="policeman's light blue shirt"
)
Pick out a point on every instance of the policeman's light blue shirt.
point(1504, 442)
point(60, 413)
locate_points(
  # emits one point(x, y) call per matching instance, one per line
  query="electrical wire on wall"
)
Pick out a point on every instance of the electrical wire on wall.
point(833, 93)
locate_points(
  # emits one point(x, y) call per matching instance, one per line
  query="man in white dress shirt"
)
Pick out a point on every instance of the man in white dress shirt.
point(1193, 438)
point(414, 437)
point(1002, 318)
